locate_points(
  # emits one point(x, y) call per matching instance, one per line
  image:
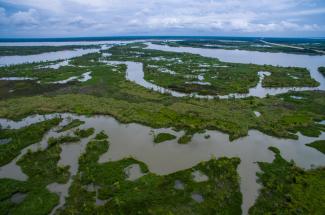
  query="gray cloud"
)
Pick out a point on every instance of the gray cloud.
point(112, 17)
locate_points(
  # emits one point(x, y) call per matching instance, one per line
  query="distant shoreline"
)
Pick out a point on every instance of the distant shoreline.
point(112, 38)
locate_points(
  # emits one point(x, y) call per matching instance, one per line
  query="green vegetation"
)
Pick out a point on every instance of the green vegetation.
point(281, 115)
point(322, 70)
point(186, 138)
point(305, 48)
point(82, 133)
point(62, 139)
point(288, 189)
point(74, 123)
point(109, 93)
point(41, 168)
point(289, 77)
point(30, 50)
point(151, 194)
point(319, 145)
point(101, 136)
point(42, 73)
point(162, 137)
point(23, 137)
point(190, 73)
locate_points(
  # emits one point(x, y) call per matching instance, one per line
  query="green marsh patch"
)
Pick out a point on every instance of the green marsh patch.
point(73, 124)
point(23, 137)
point(152, 194)
point(288, 189)
point(162, 137)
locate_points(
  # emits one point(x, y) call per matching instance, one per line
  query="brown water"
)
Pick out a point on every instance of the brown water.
point(137, 141)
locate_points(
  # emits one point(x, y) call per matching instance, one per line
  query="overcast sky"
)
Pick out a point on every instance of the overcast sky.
point(70, 18)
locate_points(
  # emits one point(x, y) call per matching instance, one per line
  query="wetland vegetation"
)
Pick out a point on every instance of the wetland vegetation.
point(288, 189)
point(190, 73)
point(110, 187)
point(310, 47)
point(21, 138)
point(42, 169)
point(151, 193)
point(162, 137)
point(73, 124)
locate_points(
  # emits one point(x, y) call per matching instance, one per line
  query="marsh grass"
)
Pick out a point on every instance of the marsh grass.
point(288, 189)
point(152, 194)
point(109, 93)
point(41, 169)
point(23, 137)
point(162, 137)
point(73, 124)
point(83, 133)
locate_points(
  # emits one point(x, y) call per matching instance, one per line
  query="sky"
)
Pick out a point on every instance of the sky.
point(79, 18)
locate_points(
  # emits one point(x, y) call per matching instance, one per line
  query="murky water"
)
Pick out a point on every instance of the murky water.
point(69, 157)
point(57, 65)
point(133, 172)
point(48, 56)
point(137, 141)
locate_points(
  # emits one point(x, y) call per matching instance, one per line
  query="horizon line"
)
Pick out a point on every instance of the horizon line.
point(8, 39)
